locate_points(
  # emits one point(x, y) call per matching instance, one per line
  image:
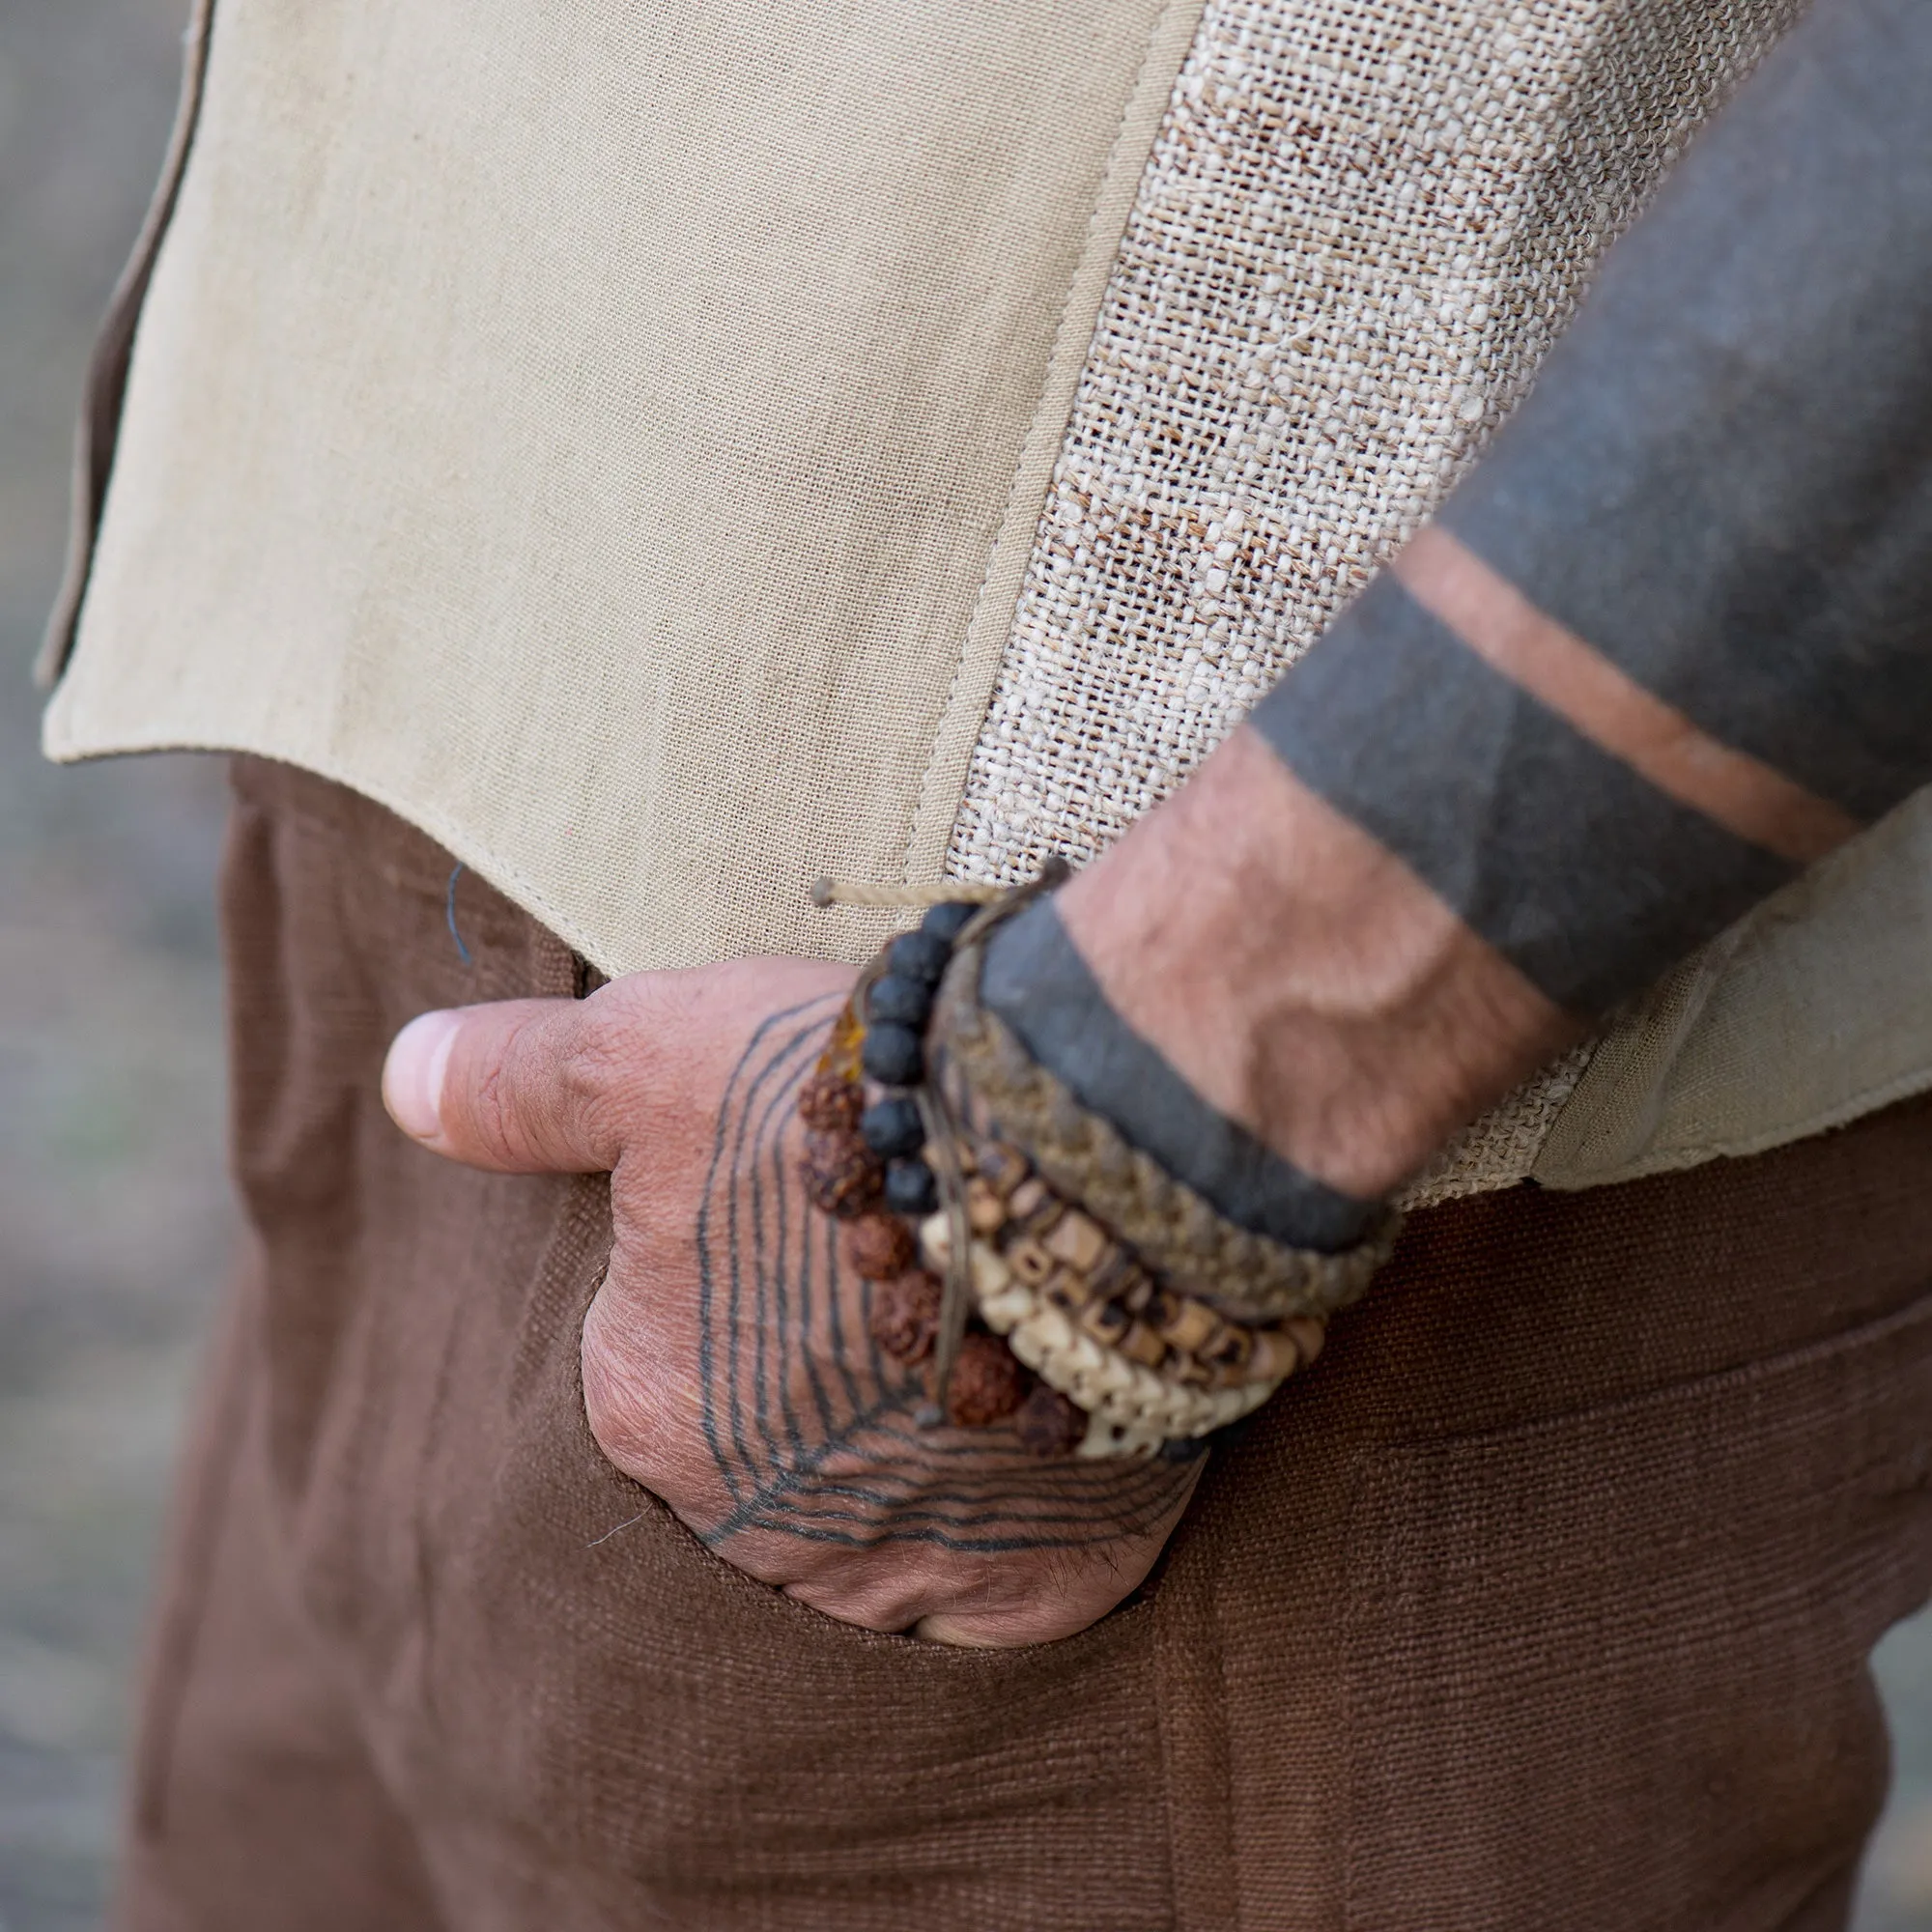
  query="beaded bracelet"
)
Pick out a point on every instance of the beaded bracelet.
point(1027, 1305)
point(1177, 1232)
point(871, 1164)
point(1145, 1363)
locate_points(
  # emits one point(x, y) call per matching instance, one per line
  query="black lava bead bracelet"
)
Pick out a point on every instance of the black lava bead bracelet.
point(898, 1004)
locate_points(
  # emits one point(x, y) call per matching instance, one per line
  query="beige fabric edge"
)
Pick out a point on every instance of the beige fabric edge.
point(991, 622)
point(1673, 1159)
point(472, 852)
point(107, 369)
point(991, 618)
point(131, 618)
point(1806, 1014)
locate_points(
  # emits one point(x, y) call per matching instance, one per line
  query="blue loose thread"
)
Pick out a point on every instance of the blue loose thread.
point(449, 913)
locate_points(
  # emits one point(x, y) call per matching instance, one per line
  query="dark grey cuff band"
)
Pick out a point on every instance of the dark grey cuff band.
point(1035, 981)
point(1583, 875)
point(1722, 485)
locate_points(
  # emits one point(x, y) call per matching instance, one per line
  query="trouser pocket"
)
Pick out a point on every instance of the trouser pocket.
point(1610, 1670)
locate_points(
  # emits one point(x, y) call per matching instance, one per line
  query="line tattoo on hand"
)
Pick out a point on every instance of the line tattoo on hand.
point(809, 1424)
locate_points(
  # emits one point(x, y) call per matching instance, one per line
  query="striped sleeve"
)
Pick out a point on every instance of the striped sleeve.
point(1673, 640)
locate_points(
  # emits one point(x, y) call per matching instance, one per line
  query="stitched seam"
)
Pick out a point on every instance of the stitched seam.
point(1681, 1155)
point(1003, 537)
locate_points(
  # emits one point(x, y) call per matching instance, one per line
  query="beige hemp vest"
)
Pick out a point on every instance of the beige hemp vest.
point(668, 452)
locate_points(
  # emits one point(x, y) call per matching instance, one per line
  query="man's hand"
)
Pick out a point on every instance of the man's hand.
point(727, 1364)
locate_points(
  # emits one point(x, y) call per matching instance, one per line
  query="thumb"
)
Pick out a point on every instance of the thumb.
point(520, 1087)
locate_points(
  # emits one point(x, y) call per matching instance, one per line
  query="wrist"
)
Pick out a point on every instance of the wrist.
point(1036, 983)
point(1300, 979)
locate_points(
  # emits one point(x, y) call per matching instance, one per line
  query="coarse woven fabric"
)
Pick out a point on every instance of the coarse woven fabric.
point(621, 449)
point(1592, 1510)
point(1361, 228)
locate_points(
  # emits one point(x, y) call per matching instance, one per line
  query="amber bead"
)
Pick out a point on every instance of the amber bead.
point(1049, 1424)
point(842, 1175)
point(906, 1316)
point(829, 1102)
point(989, 1383)
point(880, 1247)
point(841, 1049)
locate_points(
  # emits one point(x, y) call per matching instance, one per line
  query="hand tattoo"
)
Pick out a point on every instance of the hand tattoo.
point(810, 1426)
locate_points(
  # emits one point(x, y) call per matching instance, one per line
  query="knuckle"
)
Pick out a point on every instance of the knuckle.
point(622, 1404)
point(884, 1608)
point(606, 1380)
point(492, 1114)
point(532, 1088)
point(587, 1079)
point(627, 1064)
point(660, 1011)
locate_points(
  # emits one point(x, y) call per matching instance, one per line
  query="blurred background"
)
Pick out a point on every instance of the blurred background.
point(115, 1224)
point(114, 1220)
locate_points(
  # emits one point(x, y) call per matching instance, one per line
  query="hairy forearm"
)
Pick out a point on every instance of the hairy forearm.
point(1670, 643)
point(1313, 989)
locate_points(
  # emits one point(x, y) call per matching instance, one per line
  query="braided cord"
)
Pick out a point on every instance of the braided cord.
point(1173, 1229)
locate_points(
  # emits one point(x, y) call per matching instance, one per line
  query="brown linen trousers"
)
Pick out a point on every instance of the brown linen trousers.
point(1544, 1601)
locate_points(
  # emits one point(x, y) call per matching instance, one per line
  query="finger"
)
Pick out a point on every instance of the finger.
point(1064, 1598)
point(1045, 1623)
point(999, 1610)
point(520, 1087)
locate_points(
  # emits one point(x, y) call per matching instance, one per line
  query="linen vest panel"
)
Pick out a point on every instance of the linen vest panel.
point(666, 458)
point(591, 430)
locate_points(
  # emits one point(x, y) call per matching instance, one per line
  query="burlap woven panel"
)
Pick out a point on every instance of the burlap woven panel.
point(1544, 1601)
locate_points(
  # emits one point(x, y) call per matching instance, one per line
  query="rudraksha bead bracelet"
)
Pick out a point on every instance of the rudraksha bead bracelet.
point(865, 1163)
